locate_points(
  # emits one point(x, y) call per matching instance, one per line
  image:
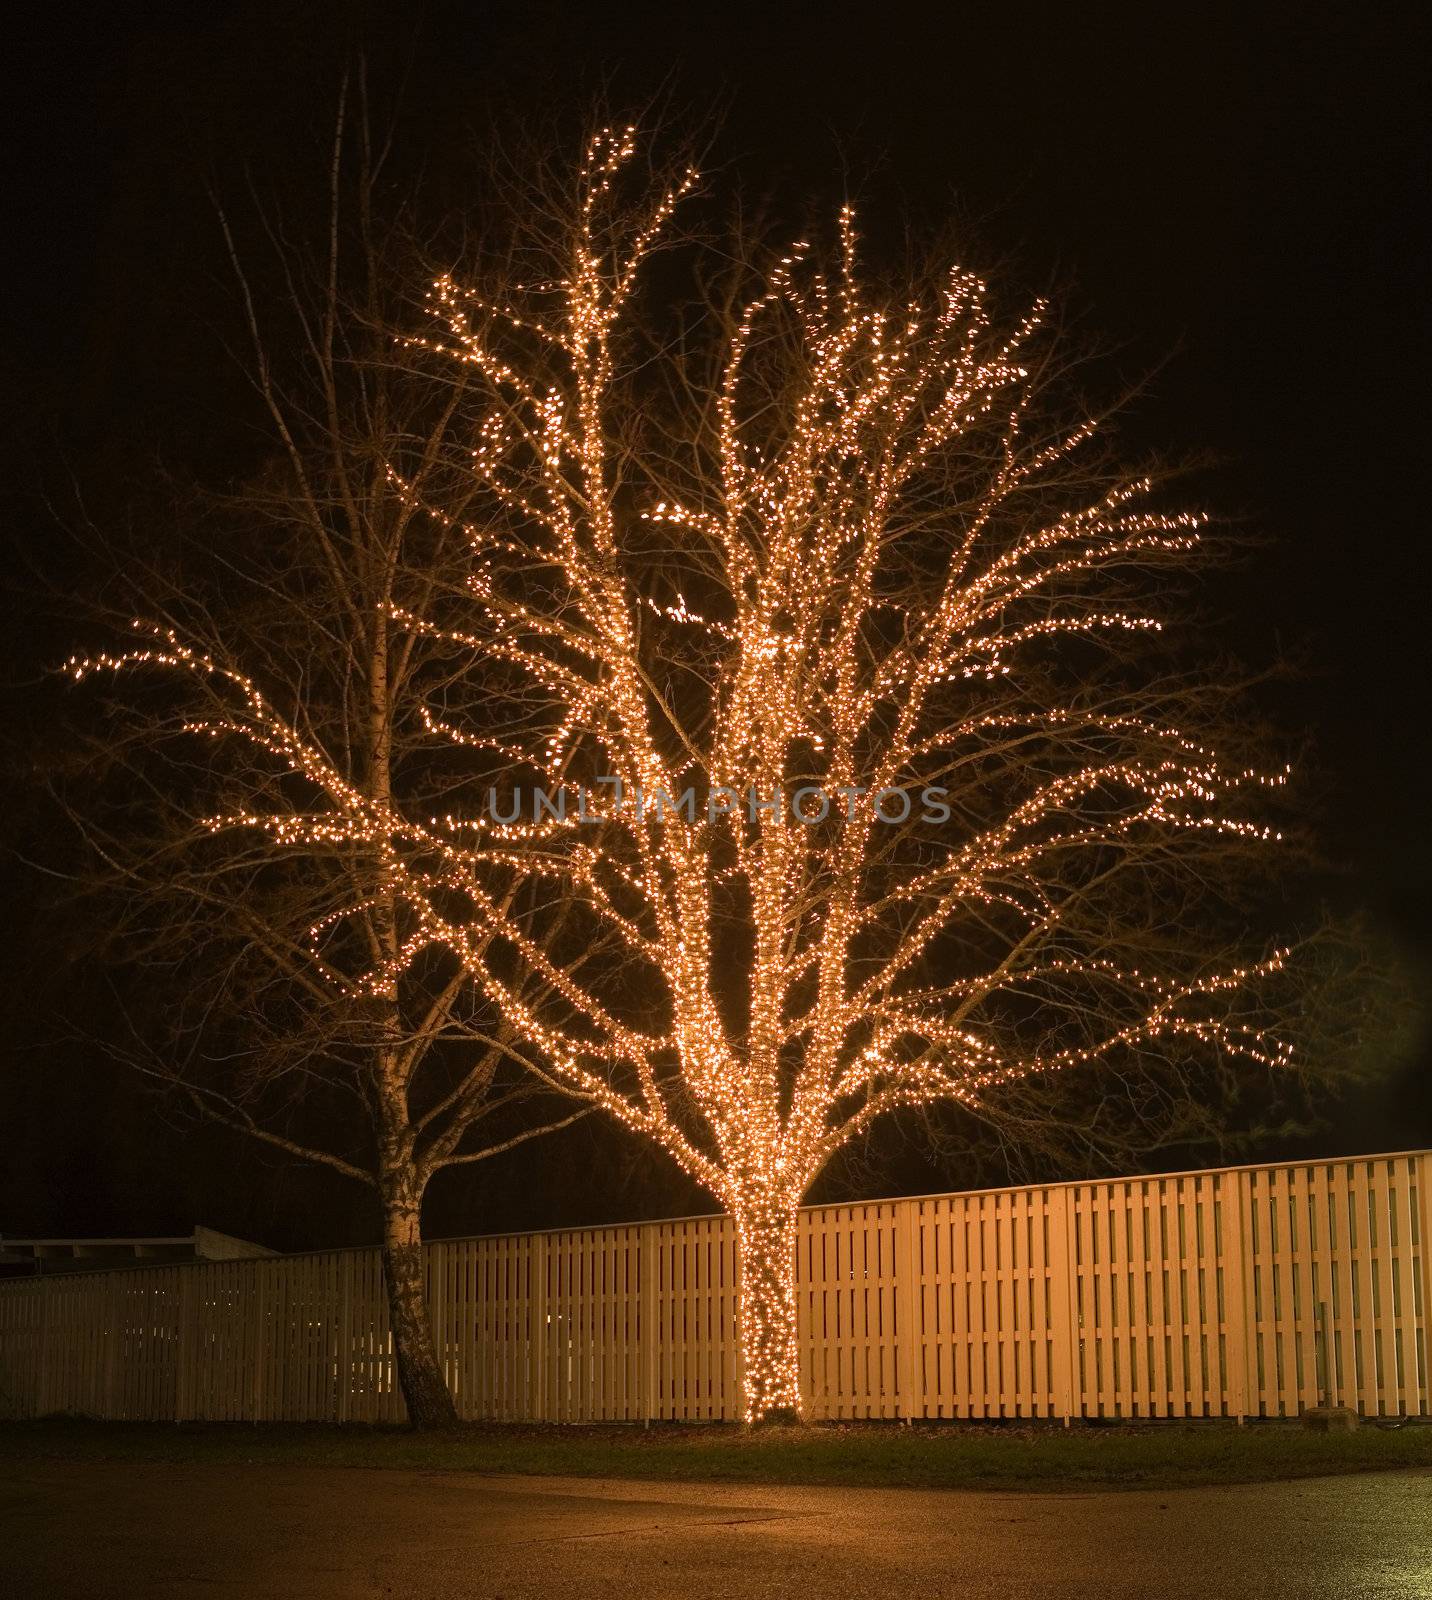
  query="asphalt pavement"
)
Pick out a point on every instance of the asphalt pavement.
point(301, 1533)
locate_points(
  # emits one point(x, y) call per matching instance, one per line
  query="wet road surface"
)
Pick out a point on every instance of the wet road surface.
point(303, 1533)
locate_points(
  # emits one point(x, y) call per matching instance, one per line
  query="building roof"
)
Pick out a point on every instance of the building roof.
point(73, 1255)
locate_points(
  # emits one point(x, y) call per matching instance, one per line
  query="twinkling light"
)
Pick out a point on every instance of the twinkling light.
point(865, 587)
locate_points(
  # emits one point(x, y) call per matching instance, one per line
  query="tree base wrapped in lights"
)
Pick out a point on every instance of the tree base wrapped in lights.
point(766, 1268)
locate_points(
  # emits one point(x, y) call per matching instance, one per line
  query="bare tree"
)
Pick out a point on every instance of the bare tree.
point(287, 598)
point(814, 615)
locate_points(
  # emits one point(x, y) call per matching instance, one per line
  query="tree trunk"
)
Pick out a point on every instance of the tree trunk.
point(429, 1401)
point(766, 1262)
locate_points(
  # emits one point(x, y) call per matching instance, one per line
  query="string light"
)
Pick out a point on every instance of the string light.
point(815, 635)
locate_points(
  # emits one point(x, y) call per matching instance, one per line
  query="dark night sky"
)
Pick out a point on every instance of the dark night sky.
point(1235, 201)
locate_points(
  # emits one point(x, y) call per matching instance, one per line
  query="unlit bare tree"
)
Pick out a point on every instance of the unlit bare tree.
point(838, 586)
point(287, 596)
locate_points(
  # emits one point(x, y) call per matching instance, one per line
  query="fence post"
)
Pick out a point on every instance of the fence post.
point(112, 1314)
point(736, 1363)
point(344, 1362)
point(184, 1344)
point(260, 1341)
point(909, 1286)
point(1424, 1250)
point(1237, 1313)
point(42, 1397)
point(1065, 1328)
point(649, 1396)
point(539, 1342)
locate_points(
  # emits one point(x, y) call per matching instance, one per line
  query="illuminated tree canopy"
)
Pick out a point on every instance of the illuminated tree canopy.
point(823, 558)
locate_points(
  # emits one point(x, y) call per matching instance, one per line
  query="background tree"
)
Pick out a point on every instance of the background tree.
point(262, 1019)
point(819, 543)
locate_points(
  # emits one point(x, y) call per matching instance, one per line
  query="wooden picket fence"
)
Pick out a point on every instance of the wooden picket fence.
point(1241, 1292)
